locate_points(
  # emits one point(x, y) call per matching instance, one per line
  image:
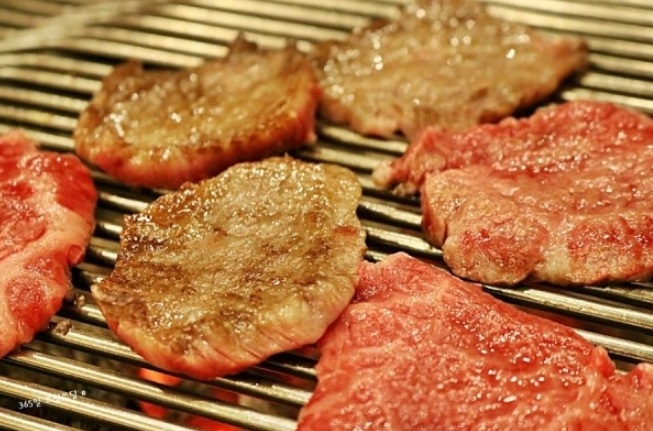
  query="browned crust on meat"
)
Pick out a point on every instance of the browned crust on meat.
point(145, 141)
point(221, 274)
point(405, 75)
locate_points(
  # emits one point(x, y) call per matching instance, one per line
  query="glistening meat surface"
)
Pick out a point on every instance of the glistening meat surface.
point(443, 63)
point(221, 274)
point(163, 128)
point(47, 201)
point(564, 196)
point(419, 349)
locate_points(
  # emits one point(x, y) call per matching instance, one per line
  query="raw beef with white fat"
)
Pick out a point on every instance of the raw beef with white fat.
point(444, 63)
point(162, 128)
point(564, 196)
point(419, 349)
point(221, 274)
point(47, 201)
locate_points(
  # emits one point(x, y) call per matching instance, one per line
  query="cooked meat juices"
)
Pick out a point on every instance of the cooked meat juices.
point(442, 63)
point(564, 196)
point(47, 202)
point(221, 274)
point(421, 350)
point(163, 128)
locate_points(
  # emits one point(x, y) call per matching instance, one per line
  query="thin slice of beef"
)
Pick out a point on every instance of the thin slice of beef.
point(221, 274)
point(163, 128)
point(565, 228)
point(564, 196)
point(442, 63)
point(565, 137)
point(47, 202)
point(419, 349)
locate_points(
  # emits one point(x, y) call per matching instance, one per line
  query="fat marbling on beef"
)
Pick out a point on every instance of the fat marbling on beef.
point(162, 128)
point(564, 196)
point(444, 63)
point(419, 349)
point(221, 274)
point(47, 201)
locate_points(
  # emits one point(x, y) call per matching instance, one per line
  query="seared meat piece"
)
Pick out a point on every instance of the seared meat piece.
point(221, 274)
point(442, 63)
point(163, 128)
point(564, 196)
point(421, 350)
point(47, 202)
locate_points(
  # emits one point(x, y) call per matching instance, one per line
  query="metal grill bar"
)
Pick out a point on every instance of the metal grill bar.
point(575, 306)
point(645, 4)
point(620, 348)
point(579, 24)
point(302, 14)
point(82, 406)
point(104, 344)
point(34, 7)
point(139, 389)
point(263, 24)
point(56, 53)
point(623, 14)
point(15, 421)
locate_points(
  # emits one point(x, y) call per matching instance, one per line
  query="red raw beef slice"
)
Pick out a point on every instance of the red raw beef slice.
point(419, 349)
point(47, 201)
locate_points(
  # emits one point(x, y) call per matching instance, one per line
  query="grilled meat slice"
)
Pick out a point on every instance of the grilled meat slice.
point(442, 63)
point(47, 201)
point(163, 128)
point(221, 274)
point(419, 349)
point(564, 196)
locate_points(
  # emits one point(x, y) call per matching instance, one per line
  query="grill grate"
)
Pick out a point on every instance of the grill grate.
point(54, 54)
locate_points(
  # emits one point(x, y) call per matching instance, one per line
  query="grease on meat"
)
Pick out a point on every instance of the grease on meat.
point(163, 128)
point(221, 274)
point(442, 63)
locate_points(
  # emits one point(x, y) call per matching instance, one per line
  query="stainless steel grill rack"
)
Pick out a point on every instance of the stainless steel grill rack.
point(53, 55)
